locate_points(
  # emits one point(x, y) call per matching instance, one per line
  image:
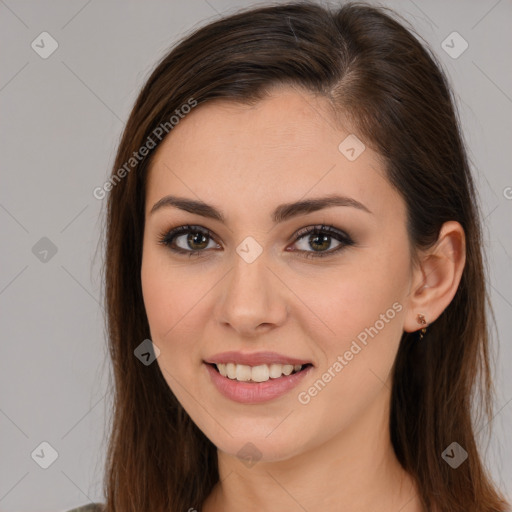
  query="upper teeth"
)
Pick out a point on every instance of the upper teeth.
point(260, 373)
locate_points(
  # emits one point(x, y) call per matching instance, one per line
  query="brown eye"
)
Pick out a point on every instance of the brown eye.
point(319, 238)
point(195, 240)
point(190, 240)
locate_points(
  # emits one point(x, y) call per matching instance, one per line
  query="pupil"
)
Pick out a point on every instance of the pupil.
point(325, 240)
point(193, 237)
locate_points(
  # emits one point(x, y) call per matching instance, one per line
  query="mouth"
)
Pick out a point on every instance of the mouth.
point(259, 373)
point(256, 384)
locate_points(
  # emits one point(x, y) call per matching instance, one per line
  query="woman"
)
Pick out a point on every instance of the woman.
point(304, 253)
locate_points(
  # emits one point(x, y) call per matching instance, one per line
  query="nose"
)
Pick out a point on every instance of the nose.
point(252, 298)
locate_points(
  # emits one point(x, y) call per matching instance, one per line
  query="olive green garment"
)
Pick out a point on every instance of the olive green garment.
point(92, 507)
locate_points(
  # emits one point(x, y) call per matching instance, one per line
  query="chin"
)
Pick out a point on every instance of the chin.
point(259, 448)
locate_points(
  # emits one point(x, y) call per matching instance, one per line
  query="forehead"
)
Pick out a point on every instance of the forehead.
point(288, 118)
point(284, 147)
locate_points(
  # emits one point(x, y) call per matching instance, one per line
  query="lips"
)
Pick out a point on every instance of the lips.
point(255, 359)
point(255, 392)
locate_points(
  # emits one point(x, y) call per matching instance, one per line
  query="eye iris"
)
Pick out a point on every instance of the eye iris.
point(192, 237)
point(325, 240)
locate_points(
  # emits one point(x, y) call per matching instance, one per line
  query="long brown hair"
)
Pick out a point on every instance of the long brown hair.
point(376, 72)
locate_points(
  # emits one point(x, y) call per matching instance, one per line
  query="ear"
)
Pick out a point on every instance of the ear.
point(436, 279)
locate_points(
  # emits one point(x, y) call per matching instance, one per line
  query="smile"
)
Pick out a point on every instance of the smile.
point(260, 373)
point(255, 384)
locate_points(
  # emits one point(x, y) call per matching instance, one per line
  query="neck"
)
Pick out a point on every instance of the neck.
point(355, 470)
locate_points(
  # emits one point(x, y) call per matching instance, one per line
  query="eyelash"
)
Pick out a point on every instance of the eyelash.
point(167, 237)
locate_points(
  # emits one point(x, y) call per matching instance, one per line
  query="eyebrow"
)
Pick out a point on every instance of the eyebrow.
point(282, 213)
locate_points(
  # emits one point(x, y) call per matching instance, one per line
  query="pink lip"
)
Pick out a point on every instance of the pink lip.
point(255, 392)
point(254, 359)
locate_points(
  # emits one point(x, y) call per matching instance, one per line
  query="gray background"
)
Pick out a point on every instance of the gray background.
point(61, 118)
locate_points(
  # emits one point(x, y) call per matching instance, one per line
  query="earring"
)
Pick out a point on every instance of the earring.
point(421, 320)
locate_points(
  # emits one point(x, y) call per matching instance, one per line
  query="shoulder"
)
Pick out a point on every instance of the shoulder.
point(92, 507)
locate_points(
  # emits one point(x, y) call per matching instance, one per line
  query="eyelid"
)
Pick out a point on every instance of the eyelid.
point(341, 236)
point(168, 236)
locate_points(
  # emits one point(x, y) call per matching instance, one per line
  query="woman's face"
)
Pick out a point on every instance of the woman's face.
point(251, 288)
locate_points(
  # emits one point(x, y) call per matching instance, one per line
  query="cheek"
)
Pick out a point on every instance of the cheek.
point(159, 300)
point(357, 316)
point(363, 311)
point(176, 302)
point(167, 300)
point(169, 294)
point(343, 303)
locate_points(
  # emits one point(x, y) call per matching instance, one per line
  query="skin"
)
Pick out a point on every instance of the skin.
point(246, 160)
